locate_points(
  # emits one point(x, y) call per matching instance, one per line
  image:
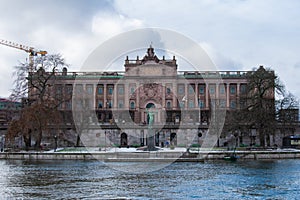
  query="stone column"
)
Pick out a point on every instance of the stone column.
point(163, 101)
point(115, 99)
point(85, 96)
point(238, 95)
point(137, 96)
point(227, 95)
point(217, 91)
point(126, 95)
point(196, 95)
point(206, 95)
point(163, 95)
point(95, 96)
point(186, 95)
point(137, 101)
point(174, 95)
point(105, 96)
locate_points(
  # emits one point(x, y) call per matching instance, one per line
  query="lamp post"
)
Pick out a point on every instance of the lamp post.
point(55, 143)
point(199, 136)
point(105, 140)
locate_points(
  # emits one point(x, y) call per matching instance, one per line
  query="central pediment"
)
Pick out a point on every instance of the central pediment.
point(150, 65)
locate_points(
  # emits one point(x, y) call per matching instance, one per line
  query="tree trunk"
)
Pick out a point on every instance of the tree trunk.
point(27, 140)
point(268, 140)
point(38, 141)
point(78, 141)
point(262, 138)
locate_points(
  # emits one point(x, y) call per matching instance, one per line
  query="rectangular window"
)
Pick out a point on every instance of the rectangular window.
point(212, 89)
point(201, 104)
point(202, 89)
point(121, 90)
point(221, 89)
point(222, 103)
point(100, 90)
point(110, 90)
point(243, 88)
point(180, 89)
point(120, 104)
point(69, 89)
point(79, 89)
point(89, 89)
point(100, 104)
point(79, 104)
point(110, 103)
point(232, 89)
point(89, 104)
point(191, 104)
point(213, 103)
point(132, 90)
point(68, 105)
point(181, 104)
point(58, 89)
point(233, 104)
point(191, 89)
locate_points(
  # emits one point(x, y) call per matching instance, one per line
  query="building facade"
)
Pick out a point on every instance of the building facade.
point(151, 101)
point(9, 110)
point(112, 108)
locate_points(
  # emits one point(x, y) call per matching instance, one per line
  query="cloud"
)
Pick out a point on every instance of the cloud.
point(238, 35)
point(222, 62)
point(108, 24)
point(72, 28)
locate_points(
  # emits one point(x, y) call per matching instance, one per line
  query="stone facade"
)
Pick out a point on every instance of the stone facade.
point(116, 104)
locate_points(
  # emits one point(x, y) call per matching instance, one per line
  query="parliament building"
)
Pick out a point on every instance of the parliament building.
point(118, 103)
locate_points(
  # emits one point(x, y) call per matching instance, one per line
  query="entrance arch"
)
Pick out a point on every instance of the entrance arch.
point(150, 105)
point(124, 140)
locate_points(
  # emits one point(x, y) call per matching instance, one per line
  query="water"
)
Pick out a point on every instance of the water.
point(95, 180)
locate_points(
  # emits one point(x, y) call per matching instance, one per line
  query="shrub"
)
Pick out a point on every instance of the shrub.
point(195, 145)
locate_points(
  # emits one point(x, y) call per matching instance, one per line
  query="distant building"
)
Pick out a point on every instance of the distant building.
point(9, 110)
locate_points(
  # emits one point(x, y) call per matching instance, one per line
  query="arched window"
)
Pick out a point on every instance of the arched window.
point(168, 104)
point(168, 90)
point(132, 105)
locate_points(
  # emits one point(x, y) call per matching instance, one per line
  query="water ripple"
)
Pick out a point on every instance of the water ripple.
point(95, 180)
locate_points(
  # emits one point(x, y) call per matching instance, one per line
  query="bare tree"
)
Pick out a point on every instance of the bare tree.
point(260, 99)
point(287, 113)
point(82, 112)
point(36, 90)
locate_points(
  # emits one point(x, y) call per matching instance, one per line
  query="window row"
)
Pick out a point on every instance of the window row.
point(211, 89)
point(109, 104)
point(180, 89)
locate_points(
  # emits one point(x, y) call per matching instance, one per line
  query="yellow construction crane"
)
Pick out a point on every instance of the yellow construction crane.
point(32, 51)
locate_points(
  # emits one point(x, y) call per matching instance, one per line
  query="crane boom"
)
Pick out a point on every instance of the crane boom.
point(17, 46)
point(32, 52)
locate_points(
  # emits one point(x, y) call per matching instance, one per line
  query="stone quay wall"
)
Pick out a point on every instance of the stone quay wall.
point(150, 156)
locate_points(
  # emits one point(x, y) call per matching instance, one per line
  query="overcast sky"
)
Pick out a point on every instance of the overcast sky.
point(237, 35)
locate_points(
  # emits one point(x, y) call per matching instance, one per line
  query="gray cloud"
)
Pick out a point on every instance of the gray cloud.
point(241, 34)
